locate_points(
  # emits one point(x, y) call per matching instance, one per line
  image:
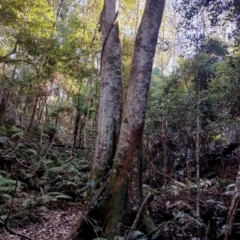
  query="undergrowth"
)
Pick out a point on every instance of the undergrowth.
point(34, 174)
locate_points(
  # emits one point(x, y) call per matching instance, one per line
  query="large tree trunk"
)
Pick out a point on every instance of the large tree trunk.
point(121, 195)
point(124, 187)
point(109, 118)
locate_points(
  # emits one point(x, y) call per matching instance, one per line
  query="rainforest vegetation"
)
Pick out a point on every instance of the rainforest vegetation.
point(119, 119)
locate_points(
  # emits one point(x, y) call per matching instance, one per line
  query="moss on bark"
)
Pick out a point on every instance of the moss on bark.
point(116, 211)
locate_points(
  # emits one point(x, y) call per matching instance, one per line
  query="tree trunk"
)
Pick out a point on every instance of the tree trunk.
point(75, 132)
point(33, 113)
point(233, 206)
point(197, 153)
point(124, 187)
point(2, 110)
point(109, 117)
point(121, 195)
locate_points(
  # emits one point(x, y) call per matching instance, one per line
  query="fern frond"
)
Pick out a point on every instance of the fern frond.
point(32, 152)
point(186, 219)
point(29, 202)
point(52, 197)
point(54, 170)
point(17, 134)
point(137, 235)
point(5, 197)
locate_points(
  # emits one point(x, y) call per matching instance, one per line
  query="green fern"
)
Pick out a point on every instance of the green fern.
point(8, 190)
point(17, 134)
point(5, 197)
point(8, 185)
point(20, 146)
point(55, 170)
point(216, 204)
point(3, 173)
point(51, 197)
point(28, 203)
point(32, 152)
point(39, 201)
point(137, 235)
point(58, 176)
point(14, 130)
point(186, 219)
point(66, 177)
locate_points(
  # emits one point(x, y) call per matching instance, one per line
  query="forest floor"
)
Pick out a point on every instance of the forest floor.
point(171, 209)
point(39, 185)
point(53, 224)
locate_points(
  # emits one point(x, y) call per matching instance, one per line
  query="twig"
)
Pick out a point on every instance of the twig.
point(9, 213)
point(204, 203)
point(80, 221)
point(154, 168)
point(136, 220)
point(11, 231)
point(11, 148)
point(10, 210)
point(205, 238)
point(18, 161)
point(38, 166)
point(12, 52)
point(13, 61)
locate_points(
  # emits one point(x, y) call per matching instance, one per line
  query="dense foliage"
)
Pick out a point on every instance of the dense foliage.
point(50, 56)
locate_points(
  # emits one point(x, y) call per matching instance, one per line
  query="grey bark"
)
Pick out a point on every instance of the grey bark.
point(137, 95)
point(109, 117)
point(121, 199)
point(233, 206)
point(198, 150)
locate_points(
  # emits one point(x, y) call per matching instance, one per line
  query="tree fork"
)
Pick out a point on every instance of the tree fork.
point(121, 200)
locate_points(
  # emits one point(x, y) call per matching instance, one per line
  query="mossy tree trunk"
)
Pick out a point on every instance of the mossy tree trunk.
point(124, 188)
point(121, 193)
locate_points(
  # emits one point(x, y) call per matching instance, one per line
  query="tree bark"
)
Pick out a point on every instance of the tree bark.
point(197, 151)
point(2, 110)
point(124, 187)
point(109, 117)
point(121, 197)
point(76, 128)
point(233, 206)
point(33, 113)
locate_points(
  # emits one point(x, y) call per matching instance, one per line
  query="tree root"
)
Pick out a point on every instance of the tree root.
point(77, 228)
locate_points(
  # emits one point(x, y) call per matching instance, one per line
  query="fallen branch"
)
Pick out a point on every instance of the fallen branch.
point(134, 225)
point(155, 169)
point(4, 223)
point(73, 235)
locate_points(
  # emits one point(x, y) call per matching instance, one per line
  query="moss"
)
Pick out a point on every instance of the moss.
point(116, 212)
point(93, 185)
